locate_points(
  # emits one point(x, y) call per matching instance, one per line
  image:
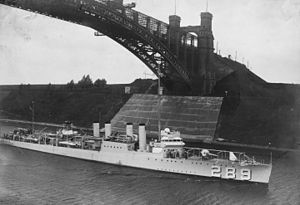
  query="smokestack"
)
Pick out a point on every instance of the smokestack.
point(96, 130)
point(142, 137)
point(129, 129)
point(107, 130)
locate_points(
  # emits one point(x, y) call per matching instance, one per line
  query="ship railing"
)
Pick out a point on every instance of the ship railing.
point(76, 142)
point(239, 157)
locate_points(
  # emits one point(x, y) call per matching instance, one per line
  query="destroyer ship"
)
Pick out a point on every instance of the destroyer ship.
point(168, 154)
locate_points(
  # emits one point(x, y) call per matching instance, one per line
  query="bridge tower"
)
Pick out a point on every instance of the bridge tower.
point(174, 33)
point(194, 46)
point(180, 56)
point(174, 39)
point(205, 50)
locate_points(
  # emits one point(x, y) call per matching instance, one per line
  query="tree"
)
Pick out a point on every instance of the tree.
point(100, 83)
point(71, 84)
point(85, 82)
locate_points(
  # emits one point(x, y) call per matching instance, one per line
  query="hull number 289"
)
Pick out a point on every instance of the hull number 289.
point(230, 173)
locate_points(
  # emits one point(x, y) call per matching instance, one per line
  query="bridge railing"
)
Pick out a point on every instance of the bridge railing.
point(156, 27)
point(141, 24)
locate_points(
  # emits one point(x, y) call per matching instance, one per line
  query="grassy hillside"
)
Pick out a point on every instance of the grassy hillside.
point(6, 89)
point(253, 111)
point(257, 112)
point(56, 104)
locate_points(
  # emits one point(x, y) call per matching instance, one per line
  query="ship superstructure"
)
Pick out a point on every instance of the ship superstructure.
point(167, 155)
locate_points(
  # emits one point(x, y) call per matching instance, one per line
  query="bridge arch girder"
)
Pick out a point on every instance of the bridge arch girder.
point(99, 16)
point(141, 43)
point(145, 52)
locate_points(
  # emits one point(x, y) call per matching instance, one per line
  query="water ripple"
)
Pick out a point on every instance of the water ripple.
point(28, 177)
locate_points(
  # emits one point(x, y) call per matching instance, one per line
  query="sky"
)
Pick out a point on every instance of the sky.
point(37, 49)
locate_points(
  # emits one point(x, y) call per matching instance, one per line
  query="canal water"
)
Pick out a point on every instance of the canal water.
point(28, 177)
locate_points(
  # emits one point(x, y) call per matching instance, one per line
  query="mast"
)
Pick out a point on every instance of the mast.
point(32, 123)
point(159, 96)
point(271, 160)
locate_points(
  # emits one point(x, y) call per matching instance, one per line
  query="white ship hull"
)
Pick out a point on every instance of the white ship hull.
point(116, 155)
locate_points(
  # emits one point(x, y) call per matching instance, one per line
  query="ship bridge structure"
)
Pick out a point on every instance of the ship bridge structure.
point(178, 55)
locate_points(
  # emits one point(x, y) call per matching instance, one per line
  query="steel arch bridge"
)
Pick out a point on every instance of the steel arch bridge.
point(147, 38)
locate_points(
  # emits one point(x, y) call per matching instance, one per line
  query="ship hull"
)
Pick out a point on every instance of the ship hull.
point(145, 160)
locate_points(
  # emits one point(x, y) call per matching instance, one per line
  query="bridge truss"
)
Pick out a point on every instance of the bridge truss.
point(144, 36)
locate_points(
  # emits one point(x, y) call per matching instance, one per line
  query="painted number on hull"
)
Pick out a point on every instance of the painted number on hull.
point(216, 171)
point(230, 173)
point(245, 174)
